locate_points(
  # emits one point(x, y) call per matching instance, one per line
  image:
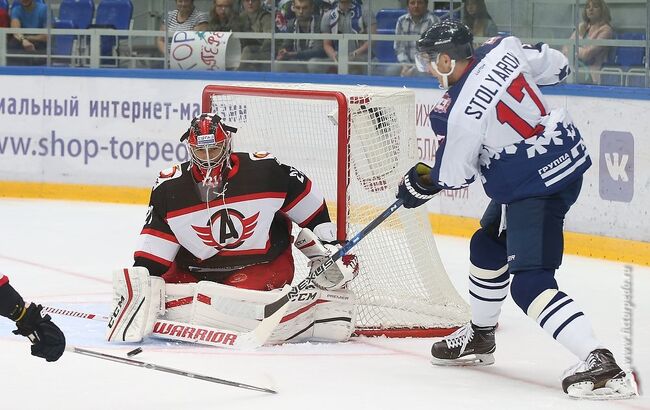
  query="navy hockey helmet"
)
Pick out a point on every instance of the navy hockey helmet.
point(208, 141)
point(450, 37)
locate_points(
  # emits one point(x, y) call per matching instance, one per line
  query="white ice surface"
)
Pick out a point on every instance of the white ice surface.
point(61, 254)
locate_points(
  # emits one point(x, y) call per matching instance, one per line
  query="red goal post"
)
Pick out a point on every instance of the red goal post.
point(355, 143)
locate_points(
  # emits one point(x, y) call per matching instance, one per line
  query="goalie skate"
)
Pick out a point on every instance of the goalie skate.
point(468, 346)
point(598, 378)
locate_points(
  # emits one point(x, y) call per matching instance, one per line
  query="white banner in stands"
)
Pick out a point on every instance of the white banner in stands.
point(122, 131)
point(204, 50)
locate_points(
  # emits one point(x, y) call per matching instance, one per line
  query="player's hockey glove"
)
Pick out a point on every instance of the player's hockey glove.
point(335, 276)
point(413, 189)
point(47, 339)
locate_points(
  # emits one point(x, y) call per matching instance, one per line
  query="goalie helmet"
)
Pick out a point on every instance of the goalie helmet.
point(208, 142)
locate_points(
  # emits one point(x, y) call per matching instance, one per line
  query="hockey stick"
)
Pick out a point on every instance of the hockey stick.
point(165, 369)
point(73, 313)
point(272, 308)
point(204, 335)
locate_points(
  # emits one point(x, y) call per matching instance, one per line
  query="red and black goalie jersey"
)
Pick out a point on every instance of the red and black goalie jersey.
point(249, 224)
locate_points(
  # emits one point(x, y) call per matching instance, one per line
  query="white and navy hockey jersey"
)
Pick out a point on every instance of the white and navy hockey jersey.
point(248, 225)
point(495, 123)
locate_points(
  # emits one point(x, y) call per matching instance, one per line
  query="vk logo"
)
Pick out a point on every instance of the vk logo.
point(616, 166)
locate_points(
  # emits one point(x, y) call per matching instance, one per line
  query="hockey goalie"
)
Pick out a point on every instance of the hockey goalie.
point(216, 247)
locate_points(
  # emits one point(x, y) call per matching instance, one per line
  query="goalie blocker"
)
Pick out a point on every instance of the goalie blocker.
point(326, 314)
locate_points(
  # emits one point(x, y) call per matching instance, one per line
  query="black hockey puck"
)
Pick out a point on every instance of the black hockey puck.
point(134, 352)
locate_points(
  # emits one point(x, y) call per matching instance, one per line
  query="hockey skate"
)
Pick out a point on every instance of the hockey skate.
point(468, 346)
point(598, 378)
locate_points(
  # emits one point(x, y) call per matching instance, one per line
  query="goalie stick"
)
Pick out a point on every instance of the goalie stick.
point(274, 307)
point(152, 366)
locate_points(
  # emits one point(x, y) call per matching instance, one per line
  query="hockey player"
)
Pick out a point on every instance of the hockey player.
point(493, 123)
point(47, 339)
point(217, 242)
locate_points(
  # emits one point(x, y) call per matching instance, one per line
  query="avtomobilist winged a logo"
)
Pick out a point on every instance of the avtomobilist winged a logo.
point(227, 229)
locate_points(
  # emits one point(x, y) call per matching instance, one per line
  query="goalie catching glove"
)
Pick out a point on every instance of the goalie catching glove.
point(415, 188)
point(315, 246)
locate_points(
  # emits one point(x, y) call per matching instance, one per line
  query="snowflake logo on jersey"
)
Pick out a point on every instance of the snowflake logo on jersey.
point(227, 229)
point(486, 155)
point(556, 137)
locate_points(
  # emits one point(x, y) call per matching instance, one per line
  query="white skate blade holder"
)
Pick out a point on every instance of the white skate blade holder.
point(615, 389)
point(469, 360)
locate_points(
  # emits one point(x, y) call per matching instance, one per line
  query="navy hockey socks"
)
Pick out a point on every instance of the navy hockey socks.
point(536, 294)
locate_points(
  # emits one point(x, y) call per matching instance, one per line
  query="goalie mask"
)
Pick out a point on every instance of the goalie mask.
point(450, 37)
point(208, 142)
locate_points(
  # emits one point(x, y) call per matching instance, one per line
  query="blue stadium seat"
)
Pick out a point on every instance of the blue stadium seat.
point(612, 76)
point(630, 56)
point(80, 12)
point(387, 19)
point(386, 22)
point(63, 43)
point(115, 14)
point(635, 77)
point(384, 50)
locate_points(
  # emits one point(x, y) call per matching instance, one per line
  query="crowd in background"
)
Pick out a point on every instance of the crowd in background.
point(315, 17)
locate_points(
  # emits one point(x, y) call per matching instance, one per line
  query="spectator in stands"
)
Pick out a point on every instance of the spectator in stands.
point(224, 18)
point(595, 25)
point(353, 17)
point(28, 14)
point(298, 49)
point(259, 21)
point(416, 21)
point(4, 17)
point(186, 17)
point(283, 13)
point(477, 18)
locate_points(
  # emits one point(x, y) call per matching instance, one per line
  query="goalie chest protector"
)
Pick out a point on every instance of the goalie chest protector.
point(245, 226)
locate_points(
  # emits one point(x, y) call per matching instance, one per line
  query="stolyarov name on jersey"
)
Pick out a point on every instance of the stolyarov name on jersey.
point(492, 83)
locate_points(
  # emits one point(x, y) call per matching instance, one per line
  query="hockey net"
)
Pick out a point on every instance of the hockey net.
point(355, 143)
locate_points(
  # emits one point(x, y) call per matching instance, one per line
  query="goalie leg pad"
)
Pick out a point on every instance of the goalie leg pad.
point(228, 307)
point(138, 300)
point(179, 299)
point(314, 315)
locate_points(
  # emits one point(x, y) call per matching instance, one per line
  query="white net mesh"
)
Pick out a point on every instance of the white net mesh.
point(402, 283)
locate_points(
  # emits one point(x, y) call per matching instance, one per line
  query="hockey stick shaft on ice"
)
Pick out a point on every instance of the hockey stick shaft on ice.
point(165, 369)
point(273, 307)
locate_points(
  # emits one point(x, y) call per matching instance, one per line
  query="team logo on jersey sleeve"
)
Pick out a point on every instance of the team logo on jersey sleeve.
point(443, 105)
point(167, 174)
point(261, 155)
point(227, 229)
